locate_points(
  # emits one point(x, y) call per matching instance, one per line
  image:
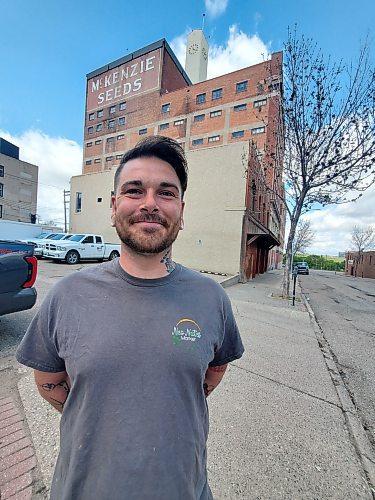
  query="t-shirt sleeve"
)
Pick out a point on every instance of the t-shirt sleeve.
point(231, 347)
point(39, 347)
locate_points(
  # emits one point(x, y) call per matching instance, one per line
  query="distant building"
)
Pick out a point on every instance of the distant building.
point(18, 185)
point(228, 127)
point(361, 266)
point(342, 254)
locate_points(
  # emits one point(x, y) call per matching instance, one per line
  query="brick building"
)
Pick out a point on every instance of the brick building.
point(227, 125)
point(362, 266)
point(18, 185)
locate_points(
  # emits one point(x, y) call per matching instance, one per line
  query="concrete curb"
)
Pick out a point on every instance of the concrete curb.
point(232, 280)
point(356, 430)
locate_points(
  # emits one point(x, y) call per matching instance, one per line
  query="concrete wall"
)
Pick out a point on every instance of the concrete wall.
point(215, 203)
point(20, 181)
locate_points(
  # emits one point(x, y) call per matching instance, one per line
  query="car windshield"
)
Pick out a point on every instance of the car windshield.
point(76, 237)
point(57, 237)
point(67, 237)
point(42, 236)
point(299, 264)
point(50, 236)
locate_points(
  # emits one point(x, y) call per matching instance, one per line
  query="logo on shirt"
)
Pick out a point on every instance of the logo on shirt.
point(186, 334)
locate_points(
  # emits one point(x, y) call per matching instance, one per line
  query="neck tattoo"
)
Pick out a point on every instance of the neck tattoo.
point(168, 262)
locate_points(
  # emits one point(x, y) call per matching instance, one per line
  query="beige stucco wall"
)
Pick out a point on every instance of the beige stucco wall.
point(215, 202)
point(20, 189)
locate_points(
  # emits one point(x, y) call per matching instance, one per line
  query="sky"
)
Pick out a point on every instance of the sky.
point(48, 47)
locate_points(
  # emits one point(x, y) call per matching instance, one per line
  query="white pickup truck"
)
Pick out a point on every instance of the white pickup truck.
point(81, 247)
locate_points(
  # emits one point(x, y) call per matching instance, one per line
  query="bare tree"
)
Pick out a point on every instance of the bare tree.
point(363, 238)
point(329, 131)
point(304, 237)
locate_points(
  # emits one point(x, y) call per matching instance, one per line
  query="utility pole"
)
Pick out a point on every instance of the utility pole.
point(66, 201)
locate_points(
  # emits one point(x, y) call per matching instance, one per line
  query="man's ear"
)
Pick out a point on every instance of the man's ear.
point(182, 216)
point(113, 214)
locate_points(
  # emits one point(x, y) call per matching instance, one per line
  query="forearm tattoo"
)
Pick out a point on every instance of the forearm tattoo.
point(167, 260)
point(51, 387)
point(218, 369)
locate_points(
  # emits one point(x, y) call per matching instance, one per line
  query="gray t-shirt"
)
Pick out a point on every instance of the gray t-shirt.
point(135, 423)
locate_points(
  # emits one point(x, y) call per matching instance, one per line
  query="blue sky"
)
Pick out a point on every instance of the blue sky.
point(48, 47)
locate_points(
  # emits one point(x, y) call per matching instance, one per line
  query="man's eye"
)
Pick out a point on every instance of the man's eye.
point(167, 193)
point(133, 191)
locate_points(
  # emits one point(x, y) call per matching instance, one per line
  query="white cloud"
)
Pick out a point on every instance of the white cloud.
point(215, 8)
point(58, 160)
point(239, 51)
point(334, 224)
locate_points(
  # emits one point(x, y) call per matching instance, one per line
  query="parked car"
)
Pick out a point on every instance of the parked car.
point(302, 268)
point(38, 241)
point(41, 247)
point(82, 247)
point(18, 269)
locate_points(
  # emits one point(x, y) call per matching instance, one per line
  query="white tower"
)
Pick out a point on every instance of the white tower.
point(196, 56)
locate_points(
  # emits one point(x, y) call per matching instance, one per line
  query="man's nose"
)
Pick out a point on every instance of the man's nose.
point(149, 202)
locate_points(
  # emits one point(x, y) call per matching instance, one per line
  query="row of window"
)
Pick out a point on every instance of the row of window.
point(109, 139)
point(110, 124)
point(111, 110)
point(108, 158)
point(166, 107)
point(235, 135)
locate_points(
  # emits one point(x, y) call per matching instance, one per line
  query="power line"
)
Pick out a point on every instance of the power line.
point(31, 181)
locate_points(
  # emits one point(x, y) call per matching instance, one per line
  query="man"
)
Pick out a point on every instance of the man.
point(129, 350)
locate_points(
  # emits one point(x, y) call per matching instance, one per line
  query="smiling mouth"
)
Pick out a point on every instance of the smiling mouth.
point(148, 220)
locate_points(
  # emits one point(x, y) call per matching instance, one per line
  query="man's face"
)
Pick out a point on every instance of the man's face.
point(147, 208)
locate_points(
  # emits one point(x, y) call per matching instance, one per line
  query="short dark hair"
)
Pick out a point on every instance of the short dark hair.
point(161, 147)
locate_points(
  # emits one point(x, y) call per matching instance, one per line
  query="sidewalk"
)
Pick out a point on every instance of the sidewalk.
point(277, 428)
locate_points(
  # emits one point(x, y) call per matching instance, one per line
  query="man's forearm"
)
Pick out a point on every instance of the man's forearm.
point(214, 375)
point(53, 387)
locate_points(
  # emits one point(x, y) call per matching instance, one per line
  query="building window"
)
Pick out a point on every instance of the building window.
point(199, 118)
point(1, 189)
point(90, 130)
point(99, 201)
point(99, 141)
point(166, 108)
point(110, 139)
point(258, 130)
point(89, 145)
point(237, 134)
point(260, 103)
point(112, 109)
point(217, 94)
point(91, 116)
point(88, 162)
point(241, 86)
point(99, 127)
point(109, 158)
point(142, 131)
point(118, 157)
point(1, 211)
point(213, 114)
point(214, 138)
point(179, 122)
point(163, 126)
point(196, 142)
point(201, 98)
point(99, 113)
point(78, 202)
point(240, 107)
point(121, 136)
point(111, 123)
point(97, 160)
point(1, 170)
point(122, 106)
point(122, 120)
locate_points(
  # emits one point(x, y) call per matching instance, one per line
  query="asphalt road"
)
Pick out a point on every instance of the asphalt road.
point(344, 307)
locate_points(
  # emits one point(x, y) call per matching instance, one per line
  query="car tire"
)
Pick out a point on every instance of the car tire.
point(72, 257)
point(113, 255)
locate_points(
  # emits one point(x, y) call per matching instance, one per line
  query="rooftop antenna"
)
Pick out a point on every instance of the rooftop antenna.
point(203, 18)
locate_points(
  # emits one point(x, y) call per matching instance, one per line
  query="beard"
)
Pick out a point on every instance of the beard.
point(146, 240)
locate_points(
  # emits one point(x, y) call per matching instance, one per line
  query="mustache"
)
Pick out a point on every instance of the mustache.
point(133, 219)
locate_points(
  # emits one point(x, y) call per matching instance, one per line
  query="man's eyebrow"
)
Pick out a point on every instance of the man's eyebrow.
point(169, 185)
point(131, 183)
